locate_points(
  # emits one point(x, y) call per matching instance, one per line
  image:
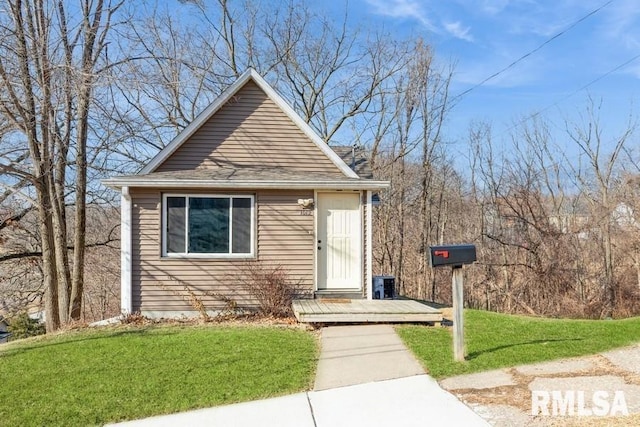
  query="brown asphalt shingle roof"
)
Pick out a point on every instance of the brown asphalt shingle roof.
point(241, 174)
point(359, 164)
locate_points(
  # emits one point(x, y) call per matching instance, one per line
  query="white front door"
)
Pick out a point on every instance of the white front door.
point(339, 252)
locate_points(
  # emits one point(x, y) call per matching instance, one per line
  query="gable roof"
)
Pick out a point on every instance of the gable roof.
point(227, 95)
point(355, 158)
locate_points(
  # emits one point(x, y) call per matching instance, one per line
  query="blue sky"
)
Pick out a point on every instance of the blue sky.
point(484, 36)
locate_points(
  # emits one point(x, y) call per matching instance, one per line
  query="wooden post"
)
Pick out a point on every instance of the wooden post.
point(458, 322)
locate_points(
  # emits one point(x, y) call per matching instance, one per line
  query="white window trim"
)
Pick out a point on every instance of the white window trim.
point(166, 254)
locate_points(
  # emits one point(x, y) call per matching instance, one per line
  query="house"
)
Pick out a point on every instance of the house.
point(248, 180)
point(624, 216)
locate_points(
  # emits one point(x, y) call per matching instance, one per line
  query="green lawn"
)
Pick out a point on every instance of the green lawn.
point(497, 340)
point(94, 377)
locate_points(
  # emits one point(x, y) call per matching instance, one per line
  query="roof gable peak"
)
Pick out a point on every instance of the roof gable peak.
point(220, 101)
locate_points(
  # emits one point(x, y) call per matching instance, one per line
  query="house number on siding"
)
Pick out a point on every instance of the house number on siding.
point(305, 212)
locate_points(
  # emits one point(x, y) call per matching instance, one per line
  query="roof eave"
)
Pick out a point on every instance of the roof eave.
point(117, 183)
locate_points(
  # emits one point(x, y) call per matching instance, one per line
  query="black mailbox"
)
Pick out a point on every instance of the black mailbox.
point(454, 255)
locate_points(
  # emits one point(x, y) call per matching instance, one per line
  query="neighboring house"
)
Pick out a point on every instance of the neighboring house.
point(582, 223)
point(247, 180)
point(624, 216)
point(571, 223)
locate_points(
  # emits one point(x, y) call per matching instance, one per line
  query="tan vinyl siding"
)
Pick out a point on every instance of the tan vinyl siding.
point(284, 235)
point(250, 131)
point(158, 284)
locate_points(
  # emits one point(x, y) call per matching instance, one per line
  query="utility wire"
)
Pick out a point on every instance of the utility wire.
point(564, 98)
point(596, 80)
point(528, 54)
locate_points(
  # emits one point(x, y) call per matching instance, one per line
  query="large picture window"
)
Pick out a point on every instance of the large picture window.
point(205, 225)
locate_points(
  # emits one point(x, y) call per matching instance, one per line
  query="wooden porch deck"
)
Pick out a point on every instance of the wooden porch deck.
point(365, 311)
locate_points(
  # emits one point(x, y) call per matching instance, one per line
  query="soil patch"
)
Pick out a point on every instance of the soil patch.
point(505, 404)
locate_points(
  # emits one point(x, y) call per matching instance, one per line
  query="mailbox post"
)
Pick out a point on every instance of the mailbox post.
point(458, 318)
point(455, 256)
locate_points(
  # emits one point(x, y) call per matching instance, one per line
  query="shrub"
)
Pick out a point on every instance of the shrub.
point(134, 319)
point(23, 326)
point(272, 287)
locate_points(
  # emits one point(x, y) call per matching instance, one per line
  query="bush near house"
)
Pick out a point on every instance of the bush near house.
point(272, 286)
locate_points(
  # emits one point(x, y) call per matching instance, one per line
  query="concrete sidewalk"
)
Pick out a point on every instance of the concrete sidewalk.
point(362, 354)
point(366, 377)
point(406, 402)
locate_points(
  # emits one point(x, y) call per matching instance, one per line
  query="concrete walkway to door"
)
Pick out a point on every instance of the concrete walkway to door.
point(353, 355)
point(371, 379)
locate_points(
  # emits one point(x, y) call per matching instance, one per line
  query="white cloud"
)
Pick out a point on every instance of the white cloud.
point(621, 24)
point(415, 10)
point(405, 9)
point(457, 30)
point(493, 7)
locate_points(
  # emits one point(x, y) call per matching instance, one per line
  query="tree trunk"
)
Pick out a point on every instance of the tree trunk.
point(77, 286)
point(52, 313)
point(85, 92)
point(609, 283)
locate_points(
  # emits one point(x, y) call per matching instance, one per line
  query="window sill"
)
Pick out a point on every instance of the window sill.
point(208, 256)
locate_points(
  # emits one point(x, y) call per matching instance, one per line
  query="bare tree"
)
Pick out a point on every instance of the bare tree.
point(50, 61)
point(599, 179)
point(409, 130)
point(552, 225)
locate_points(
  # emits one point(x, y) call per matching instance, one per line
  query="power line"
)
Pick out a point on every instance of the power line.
point(596, 80)
point(564, 98)
point(528, 54)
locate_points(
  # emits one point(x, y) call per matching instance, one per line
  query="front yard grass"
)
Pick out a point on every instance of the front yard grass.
point(496, 340)
point(95, 377)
